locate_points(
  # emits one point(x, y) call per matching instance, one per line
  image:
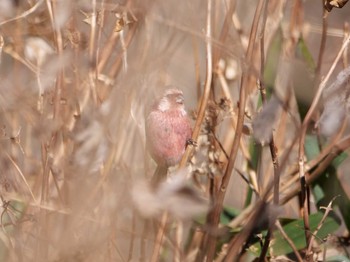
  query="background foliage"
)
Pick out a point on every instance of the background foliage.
point(267, 86)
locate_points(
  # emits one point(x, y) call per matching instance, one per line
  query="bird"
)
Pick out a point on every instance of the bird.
point(168, 130)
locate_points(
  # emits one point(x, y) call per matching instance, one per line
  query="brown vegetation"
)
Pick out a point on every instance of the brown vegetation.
point(269, 100)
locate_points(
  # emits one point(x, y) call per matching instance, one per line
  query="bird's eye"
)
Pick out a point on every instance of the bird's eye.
point(179, 100)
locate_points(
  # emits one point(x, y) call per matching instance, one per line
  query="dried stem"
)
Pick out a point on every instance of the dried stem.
point(207, 85)
point(24, 14)
point(178, 241)
point(338, 148)
point(323, 42)
point(116, 66)
point(132, 240)
point(304, 126)
point(233, 253)
point(273, 149)
point(200, 117)
point(320, 224)
point(22, 176)
point(92, 52)
point(290, 242)
point(224, 31)
point(345, 53)
point(159, 238)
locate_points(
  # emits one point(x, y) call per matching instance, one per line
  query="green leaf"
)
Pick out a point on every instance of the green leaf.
point(318, 193)
point(228, 214)
point(303, 52)
point(338, 258)
point(249, 197)
point(272, 60)
point(303, 72)
point(331, 187)
point(255, 153)
point(312, 148)
point(328, 185)
point(295, 232)
point(339, 159)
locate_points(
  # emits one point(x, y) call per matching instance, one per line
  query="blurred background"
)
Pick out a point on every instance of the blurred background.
point(76, 81)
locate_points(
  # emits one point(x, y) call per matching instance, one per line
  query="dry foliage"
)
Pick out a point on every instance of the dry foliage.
point(76, 78)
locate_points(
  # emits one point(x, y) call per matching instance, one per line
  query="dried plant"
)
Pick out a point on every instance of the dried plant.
point(266, 88)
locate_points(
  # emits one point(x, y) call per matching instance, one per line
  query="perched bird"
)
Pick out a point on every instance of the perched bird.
point(168, 129)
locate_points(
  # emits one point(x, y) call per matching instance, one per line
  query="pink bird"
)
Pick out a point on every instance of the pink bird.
point(168, 130)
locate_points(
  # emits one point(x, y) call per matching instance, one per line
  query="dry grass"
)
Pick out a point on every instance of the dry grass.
point(76, 78)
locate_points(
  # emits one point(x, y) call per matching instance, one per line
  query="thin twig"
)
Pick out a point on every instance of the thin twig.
point(336, 150)
point(214, 42)
point(290, 242)
point(159, 238)
point(322, 161)
point(10, 50)
point(207, 85)
point(317, 160)
point(224, 31)
point(320, 224)
point(201, 113)
point(143, 240)
point(251, 219)
point(107, 50)
point(251, 186)
point(323, 43)
point(272, 146)
point(345, 54)
point(178, 241)
point(203, 104)
point(99, 34)
point(233, 253)
point(116, 66)
point(24, 14)
point(92, 52)
point(132, 240)
point(21, 175)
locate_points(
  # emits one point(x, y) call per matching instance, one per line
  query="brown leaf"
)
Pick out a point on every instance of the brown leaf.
point(329, 4)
